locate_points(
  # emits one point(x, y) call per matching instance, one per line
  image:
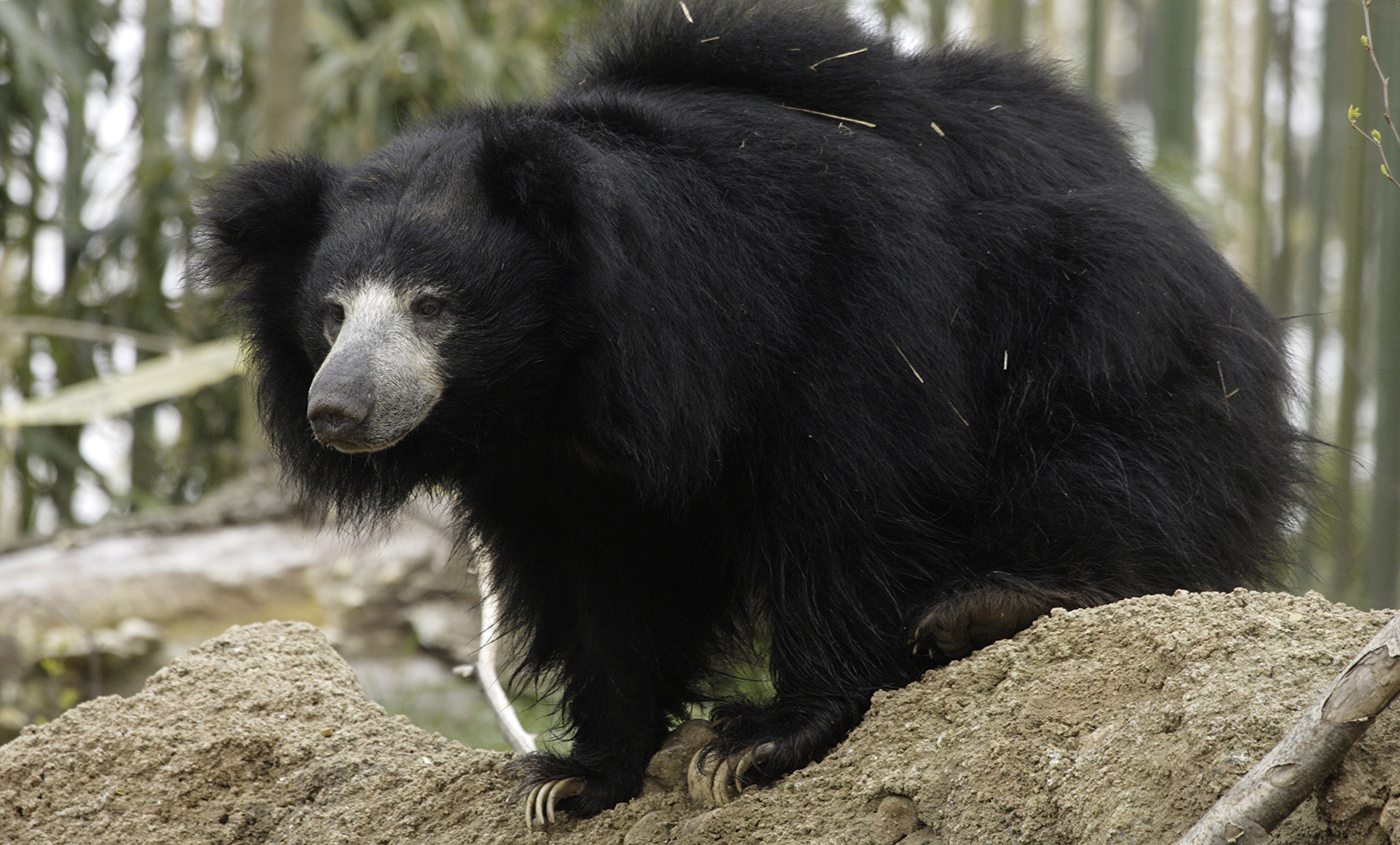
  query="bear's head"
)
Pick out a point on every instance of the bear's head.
point(426, 288)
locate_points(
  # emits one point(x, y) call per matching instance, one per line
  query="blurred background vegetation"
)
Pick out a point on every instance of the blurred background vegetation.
point(118, 387)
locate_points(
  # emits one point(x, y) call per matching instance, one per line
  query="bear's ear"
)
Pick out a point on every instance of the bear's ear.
point(537, 171)
point(262, 222)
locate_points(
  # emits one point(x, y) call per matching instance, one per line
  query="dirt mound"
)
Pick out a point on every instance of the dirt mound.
point(1116, 724)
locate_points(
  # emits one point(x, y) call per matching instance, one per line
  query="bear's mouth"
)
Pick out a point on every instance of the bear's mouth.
point(350, 445)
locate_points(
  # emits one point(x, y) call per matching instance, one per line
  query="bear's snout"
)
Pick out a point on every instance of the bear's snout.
point(337, 412)
point(337, 420)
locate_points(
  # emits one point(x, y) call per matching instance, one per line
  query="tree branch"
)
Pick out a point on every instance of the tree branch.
point(1298, 764)
point(1374, 136)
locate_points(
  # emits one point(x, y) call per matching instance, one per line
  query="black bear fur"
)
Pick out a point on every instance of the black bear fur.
point(883, 354)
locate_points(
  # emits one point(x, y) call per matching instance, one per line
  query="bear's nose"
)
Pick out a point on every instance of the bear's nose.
point(335, 423)
point(337, 412)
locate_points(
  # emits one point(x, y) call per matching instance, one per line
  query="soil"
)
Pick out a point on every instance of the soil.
point(1114, 724)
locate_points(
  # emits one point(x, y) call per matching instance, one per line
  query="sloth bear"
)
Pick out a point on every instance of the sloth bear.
point(760, 325)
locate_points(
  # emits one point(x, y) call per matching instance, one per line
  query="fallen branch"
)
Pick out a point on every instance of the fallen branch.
point(521, 740)
point(1270, 791)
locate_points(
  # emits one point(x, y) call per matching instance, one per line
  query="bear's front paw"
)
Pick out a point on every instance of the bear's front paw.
point(552, 785)
point(541, 802)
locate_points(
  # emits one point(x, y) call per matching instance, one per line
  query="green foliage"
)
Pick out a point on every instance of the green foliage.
point(379, 64)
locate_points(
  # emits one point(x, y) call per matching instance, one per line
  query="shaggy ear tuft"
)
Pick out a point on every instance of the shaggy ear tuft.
point(535, 171)
point(262, 221)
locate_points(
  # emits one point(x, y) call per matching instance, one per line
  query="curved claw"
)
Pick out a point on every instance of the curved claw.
point(725, 783)
point(540, 803)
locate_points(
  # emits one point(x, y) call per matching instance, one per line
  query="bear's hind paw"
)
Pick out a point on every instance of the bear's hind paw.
point(717, 786)
point(959, 624)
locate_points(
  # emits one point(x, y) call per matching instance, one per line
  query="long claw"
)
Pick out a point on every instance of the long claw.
point(695, 777)
point(540, 804)
point(530, 807)
point(719, 784)
point(757, 755)
point(745, 763)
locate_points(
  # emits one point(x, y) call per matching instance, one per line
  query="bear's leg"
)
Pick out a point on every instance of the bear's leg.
point(830, 650)
point(994, 609)
point(622, 683)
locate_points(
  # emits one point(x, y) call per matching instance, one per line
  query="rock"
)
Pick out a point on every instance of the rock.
point(667, 770)
point(895, 818)
point(650, 829)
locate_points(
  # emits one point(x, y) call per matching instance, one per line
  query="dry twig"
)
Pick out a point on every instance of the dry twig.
point(832, 116)
point(838, 56)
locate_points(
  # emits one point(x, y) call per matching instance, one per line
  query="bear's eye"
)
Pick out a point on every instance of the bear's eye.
point(335, 313)
point(427, 307)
